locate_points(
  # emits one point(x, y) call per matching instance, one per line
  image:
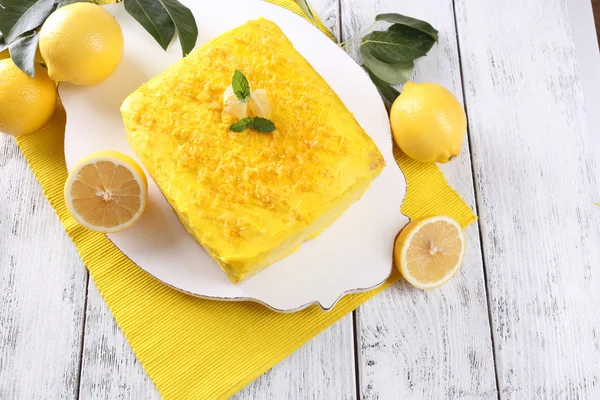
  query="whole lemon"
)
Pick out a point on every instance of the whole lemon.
point(26, 103)
point(81, 44)
point(428, 123)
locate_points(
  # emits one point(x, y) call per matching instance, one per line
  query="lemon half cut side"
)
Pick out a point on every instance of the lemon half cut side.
point(106, 192)
point(429, 251)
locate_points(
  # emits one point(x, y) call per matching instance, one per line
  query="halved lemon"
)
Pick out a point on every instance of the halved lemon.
point(106, 192)
point(429, 251)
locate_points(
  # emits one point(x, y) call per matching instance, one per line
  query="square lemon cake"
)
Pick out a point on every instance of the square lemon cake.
point(250, 198)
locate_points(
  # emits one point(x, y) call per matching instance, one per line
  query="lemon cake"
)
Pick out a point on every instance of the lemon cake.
point(250, 198)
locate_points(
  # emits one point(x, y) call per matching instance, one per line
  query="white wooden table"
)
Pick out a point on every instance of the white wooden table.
point(520, 321)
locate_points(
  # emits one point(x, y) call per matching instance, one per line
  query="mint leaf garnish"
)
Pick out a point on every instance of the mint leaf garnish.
point(259, 124)
point(240, 86)
point(242, 124)
point(263, 125)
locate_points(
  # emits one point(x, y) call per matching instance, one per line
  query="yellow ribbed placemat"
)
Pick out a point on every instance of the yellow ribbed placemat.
point(200, 349)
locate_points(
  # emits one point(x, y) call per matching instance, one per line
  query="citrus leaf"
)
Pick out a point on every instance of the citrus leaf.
point(410, 22)
point(154, 18)
point(69, 2)
point(11, 11)
point(263, 125)
point(395, 74)
point(22, 51)
point(31, 19)
point(242, 125)
point(387, 91)
point(401, 44)
point(184, 22)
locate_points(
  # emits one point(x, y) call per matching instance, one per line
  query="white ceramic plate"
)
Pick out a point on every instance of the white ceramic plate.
point(354, 254)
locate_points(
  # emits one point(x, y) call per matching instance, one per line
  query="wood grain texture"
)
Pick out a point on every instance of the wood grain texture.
point(323, 367)
point(436, 344)
point(536, 187)
point(42, 285)
point(536, 182)
point(109, 368)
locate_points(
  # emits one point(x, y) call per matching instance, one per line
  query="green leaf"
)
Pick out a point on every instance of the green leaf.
point(68, 2)
point(242, 125)
point(11, 11)
point(154, 18)
point(395, 74)
point(3, 46)
point(184, 22)
point(404, 44)
point(22, 51)
point(259, 124)
point(240, 86)
point(303, 4)
point(410, 22)
point(31, 19)
point(387, 91)
point(263, 125)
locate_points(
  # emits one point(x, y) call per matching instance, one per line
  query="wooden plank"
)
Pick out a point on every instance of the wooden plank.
point(42, 290)
point(436, 344)
point(109, 368)
point(537, 182)
point(321, 369)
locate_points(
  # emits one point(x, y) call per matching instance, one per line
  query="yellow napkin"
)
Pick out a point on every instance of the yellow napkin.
point(201, 349)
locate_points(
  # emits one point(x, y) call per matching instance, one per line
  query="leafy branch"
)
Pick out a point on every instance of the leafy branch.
point(389, 55)
point(20, 21)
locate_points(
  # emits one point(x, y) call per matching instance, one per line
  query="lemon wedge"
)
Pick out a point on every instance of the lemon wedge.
point(429, 251)
point(234, 106)
point(106, 192)
point(258, 104)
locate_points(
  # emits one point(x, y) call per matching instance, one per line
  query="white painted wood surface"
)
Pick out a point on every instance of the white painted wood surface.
point(534, 165)
point(536, 185)
point(42, 290)
point(436, 344)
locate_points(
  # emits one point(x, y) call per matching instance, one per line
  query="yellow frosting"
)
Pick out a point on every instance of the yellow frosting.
point(250, 198)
